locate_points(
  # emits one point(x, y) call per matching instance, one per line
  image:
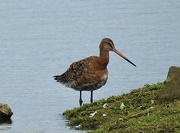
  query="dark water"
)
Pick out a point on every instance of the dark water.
point(39, 39)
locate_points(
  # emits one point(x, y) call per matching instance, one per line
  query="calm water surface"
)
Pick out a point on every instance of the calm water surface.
point(39, 39)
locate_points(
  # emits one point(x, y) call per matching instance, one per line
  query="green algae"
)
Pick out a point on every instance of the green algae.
point(140, 113)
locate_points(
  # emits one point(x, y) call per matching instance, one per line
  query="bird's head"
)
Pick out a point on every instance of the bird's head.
point(108, 45)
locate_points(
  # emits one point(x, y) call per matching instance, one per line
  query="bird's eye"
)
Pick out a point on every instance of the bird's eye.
point(110, 44)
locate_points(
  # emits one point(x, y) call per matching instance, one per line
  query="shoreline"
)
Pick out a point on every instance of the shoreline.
point(152, 108)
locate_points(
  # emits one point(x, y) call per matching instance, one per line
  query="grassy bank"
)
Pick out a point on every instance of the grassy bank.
point(140, 113)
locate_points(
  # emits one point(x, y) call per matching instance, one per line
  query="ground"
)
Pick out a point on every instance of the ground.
point(137, 111)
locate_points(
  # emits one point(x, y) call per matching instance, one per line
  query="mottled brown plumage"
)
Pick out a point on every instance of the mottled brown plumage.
point(90, 73)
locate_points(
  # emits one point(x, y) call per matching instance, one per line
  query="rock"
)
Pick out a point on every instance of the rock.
point(5, 112)
point(171, 87)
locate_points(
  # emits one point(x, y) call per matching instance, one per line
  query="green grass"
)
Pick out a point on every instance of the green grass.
point(139, 115)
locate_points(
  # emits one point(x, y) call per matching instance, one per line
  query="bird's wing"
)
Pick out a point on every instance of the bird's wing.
point(74, 72)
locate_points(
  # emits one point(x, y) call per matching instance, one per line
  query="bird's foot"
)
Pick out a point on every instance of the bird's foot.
point(80, 102)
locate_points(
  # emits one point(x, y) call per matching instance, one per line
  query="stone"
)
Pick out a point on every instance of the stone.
point(5, 112)
point(171, 87)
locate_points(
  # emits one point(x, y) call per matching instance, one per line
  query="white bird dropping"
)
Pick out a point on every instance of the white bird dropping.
point(122, 106)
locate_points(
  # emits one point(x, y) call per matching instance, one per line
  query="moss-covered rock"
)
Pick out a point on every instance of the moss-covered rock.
point(5, 112)
point(171, 87)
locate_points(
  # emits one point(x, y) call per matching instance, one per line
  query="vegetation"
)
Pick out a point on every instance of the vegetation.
point(136, 111)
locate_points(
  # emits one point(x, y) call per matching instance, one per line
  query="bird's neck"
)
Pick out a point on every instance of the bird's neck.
point(104, 58)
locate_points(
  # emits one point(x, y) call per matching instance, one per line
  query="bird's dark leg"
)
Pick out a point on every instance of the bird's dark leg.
point(80, 99)
point(91, 100)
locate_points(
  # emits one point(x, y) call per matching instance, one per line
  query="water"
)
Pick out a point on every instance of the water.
point(42, 38)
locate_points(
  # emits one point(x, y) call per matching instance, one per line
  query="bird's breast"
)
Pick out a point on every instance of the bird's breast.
point(104, 76)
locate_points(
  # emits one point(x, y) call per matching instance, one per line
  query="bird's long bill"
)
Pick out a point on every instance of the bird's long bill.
point(117, 52)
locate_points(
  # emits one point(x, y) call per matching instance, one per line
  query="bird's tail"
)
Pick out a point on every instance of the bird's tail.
point(60, 78)
point(56, 77)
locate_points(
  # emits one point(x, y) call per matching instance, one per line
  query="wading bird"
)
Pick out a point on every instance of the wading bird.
point(91, 73)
